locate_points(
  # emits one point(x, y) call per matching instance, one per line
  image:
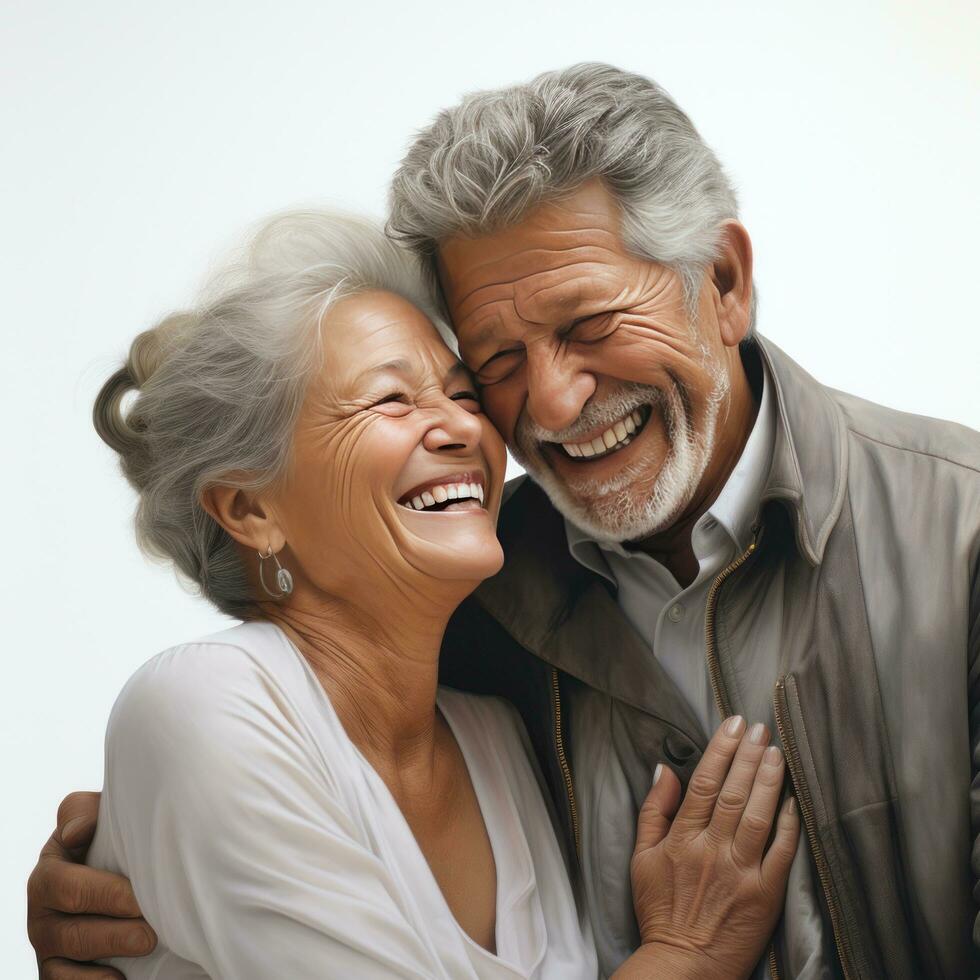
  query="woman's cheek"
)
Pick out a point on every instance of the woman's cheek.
point(502, 406)
point(337, 485)
point(495, 455)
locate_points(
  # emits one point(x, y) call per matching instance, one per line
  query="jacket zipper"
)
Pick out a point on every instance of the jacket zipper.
point(803, 798)
point(711, 648)
point(714, 671)
point(566, 772)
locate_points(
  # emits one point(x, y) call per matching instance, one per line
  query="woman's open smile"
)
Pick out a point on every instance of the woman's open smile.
point(451, 493)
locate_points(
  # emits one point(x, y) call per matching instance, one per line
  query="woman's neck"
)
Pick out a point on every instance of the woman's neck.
point(381, 677)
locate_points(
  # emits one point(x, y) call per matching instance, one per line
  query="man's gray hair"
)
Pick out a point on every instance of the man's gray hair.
point(483, 164)
point(210, 396)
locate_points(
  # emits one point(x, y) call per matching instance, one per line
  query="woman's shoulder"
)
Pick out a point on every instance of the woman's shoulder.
point(215, 661)
point(211, 683)
point(220, 719)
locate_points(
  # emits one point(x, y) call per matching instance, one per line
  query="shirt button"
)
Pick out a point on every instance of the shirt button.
point(676, 613)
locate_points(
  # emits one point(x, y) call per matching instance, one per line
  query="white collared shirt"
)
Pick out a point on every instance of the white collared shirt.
point(671, 618)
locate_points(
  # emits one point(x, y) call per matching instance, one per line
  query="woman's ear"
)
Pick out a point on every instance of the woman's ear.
point(245, 516)
point(732, 277)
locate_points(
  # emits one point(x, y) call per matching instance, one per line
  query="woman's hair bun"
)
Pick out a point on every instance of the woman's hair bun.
point(146, 355)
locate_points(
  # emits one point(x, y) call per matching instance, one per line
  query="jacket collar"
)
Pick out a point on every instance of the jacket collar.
point(809, 460)
point(567, 615)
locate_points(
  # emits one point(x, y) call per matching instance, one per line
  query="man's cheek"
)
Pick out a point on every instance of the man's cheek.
point(647, 353)
point(663, 332)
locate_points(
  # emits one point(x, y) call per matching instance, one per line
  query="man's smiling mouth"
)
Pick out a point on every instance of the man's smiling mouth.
point(619, 435)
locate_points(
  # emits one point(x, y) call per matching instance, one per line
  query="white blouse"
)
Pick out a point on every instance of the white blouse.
point(261, 843)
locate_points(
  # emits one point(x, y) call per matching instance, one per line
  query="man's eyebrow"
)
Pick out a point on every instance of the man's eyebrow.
point(484, 333)
point(488, 327)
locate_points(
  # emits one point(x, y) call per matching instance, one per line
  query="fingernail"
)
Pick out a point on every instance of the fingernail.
point(657, 773)
point(791, 806)
point(734, 725)
point(71, 828)
point(758, 734)
point(771, 756)
point(139, 942)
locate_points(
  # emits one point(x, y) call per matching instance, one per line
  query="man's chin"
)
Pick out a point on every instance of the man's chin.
point(596, 514)
point(643, 504)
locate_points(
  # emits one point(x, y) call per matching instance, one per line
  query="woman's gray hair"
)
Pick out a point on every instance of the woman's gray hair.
point(219, 387)
point(483, 164)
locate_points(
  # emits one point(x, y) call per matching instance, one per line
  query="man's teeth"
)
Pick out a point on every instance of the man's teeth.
point(615, 437)
point(447, 491)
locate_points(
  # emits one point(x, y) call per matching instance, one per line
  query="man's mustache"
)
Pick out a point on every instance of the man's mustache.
point(613, 407)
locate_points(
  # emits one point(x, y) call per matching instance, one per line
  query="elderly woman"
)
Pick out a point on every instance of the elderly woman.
point(296, 796)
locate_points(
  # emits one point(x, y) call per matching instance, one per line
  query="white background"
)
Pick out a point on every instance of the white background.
point(138, 138)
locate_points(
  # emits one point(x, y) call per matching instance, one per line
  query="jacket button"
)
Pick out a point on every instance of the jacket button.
point(678, 750)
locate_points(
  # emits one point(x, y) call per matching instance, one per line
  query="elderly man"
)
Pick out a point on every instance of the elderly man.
point(706, 530)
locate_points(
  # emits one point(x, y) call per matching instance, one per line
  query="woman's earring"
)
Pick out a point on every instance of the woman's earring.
point(283, 579)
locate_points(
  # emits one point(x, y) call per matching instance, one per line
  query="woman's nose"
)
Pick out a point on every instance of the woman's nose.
point(557, 389)
point(453, 428)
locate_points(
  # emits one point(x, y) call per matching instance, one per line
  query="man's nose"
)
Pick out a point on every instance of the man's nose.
point(453, 428)
point(557, 389)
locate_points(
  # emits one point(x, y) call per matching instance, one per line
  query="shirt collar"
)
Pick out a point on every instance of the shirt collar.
point(737, 506)
point(735, 509)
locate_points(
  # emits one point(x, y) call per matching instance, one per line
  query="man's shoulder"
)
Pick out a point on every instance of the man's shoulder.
point(523, 506)
point(511, 487)
point(889, 430)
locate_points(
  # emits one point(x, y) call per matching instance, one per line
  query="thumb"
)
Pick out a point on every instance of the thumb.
point(77, 817)
point(658, 809)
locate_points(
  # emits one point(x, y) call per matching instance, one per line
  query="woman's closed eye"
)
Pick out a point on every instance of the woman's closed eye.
point(394, 396)
point(399, 403)
point(393, 403)
point(470, 399)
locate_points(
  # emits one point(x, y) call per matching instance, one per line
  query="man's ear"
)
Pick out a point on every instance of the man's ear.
point(731, 274)
point(245, 516)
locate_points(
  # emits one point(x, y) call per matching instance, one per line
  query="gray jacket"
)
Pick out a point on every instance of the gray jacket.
point(872, 518)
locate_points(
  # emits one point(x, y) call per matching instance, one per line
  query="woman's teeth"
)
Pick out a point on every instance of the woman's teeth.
point(445, 493)
point(615, 437)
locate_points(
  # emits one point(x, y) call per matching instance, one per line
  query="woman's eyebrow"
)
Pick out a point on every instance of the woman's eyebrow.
point(458, 368)
point(403, 367)
point(397, 366)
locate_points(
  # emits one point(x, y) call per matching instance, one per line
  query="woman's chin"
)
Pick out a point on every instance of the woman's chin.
point(460, 546)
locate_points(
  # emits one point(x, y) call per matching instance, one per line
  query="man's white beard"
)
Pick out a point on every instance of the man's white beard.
point(630, 505)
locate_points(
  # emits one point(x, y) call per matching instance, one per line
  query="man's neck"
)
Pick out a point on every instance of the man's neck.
point(673, 547)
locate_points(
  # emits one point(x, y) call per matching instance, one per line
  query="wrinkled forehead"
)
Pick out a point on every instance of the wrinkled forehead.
point(560, 255)
point(376, 332)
